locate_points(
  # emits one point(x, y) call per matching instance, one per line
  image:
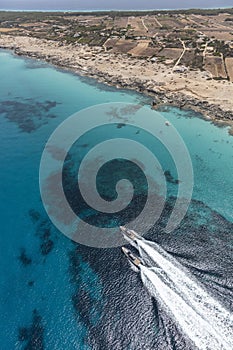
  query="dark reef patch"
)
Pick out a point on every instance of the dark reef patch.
point(107, 178)
point(87, 299)
point(28, 114)
point(34, 215)
point(170, 178)
point(46, 247)
point(33, 335)
point(120, 125)
point(24, 258)
point(44, 230)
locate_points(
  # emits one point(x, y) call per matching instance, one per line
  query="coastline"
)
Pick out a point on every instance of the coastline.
point(190, 91)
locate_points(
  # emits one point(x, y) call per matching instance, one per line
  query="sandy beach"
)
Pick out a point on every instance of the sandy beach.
point(192, 89)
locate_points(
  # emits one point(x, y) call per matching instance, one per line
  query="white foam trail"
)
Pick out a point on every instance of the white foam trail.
point(202, 318)
point(193, 325)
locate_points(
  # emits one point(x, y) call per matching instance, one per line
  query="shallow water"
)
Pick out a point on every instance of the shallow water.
point(56, 294)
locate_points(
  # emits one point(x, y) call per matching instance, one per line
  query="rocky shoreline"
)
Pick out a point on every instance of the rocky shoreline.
point(160, 95)
point(161, 99)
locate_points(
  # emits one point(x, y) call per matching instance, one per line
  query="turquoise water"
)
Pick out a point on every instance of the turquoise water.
point(39, 269)
point(211, 150)
point(20, 158)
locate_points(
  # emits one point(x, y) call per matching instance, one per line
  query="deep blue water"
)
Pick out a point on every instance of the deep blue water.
point(56, 294)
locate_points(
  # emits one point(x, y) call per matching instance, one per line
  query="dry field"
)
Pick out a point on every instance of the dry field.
point(229, 66)
point(137, 26)
point(121, 22)
point(149, 52)
point(199, 21)
point(184, 21)
point(215, 66)
point(151, 24)
point(219, 21)
point(110, 43)
point(172, 54)
point(213, 24)
point(94, 21)
point(140, 48)
point(219, 34)
point(109, 23)
point(131, 47)
point(8, 30)
point(123, 46)
point(171, 23)
point(188, 57)
point(81, 19)
point(33, 24)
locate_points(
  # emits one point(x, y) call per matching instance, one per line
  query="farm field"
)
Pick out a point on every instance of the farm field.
point(206, 35)
point(229, 67)
point(215, 65)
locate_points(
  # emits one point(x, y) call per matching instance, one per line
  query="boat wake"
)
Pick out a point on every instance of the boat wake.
point(198, 315)
point(207, 324)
